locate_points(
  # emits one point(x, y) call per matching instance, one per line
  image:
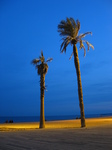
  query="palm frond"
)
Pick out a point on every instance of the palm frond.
point(62, 24)
point(64, 44)
point(42, 59)
point(64, 32)
point(49, 59)
point(78, 24)
point(71, 56)
point(82, 46)
point(41, 53)
point(83, 35)
point(84, 51)
point(35, 61)
point(65, 39)
point(89, 45)
point(73, 22)
point(68, 28)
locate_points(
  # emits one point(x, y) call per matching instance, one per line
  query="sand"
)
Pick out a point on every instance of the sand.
point(58, 135)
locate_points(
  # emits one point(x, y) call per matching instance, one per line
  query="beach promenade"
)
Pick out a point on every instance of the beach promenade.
point(58, 135)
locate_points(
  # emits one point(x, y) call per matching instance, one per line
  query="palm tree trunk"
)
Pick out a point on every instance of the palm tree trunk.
point(42, 87)
point(77, 66)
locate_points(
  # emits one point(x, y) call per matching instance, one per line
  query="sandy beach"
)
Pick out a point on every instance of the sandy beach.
point(58, 135)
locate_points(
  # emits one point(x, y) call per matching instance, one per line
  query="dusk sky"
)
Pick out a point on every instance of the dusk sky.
point(29, 26)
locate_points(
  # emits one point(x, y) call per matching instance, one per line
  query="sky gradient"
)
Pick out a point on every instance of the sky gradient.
point(26, 28)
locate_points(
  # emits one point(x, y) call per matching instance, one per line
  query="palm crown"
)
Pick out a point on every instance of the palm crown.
point(41, 64)
point(69, 30)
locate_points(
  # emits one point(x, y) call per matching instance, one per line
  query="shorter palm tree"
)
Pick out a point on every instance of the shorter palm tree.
point(42, 67)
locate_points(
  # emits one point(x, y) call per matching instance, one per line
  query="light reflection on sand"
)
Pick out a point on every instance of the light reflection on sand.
point(94, 122)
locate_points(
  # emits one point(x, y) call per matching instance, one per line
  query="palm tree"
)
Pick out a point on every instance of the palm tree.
point(42, 67)
point(69, 31)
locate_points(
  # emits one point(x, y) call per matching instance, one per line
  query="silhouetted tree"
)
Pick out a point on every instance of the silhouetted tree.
point(42, 67)
point(69, 31)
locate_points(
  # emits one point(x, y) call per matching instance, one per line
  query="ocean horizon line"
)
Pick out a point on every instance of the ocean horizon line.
point(17, 119)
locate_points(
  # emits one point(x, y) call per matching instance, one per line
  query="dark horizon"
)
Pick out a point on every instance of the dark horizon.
point(19, 119)
point(75, 115)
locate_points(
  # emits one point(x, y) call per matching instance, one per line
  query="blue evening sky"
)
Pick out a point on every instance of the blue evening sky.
point(26, 27)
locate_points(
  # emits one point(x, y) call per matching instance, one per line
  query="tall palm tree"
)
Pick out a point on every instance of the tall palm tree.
point(69, 31)
point(42, 67)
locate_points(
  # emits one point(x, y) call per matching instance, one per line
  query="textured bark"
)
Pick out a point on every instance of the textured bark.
point(42, 87)
point(77, 66)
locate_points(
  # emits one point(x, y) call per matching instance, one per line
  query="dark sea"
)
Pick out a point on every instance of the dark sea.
point(18, 119)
